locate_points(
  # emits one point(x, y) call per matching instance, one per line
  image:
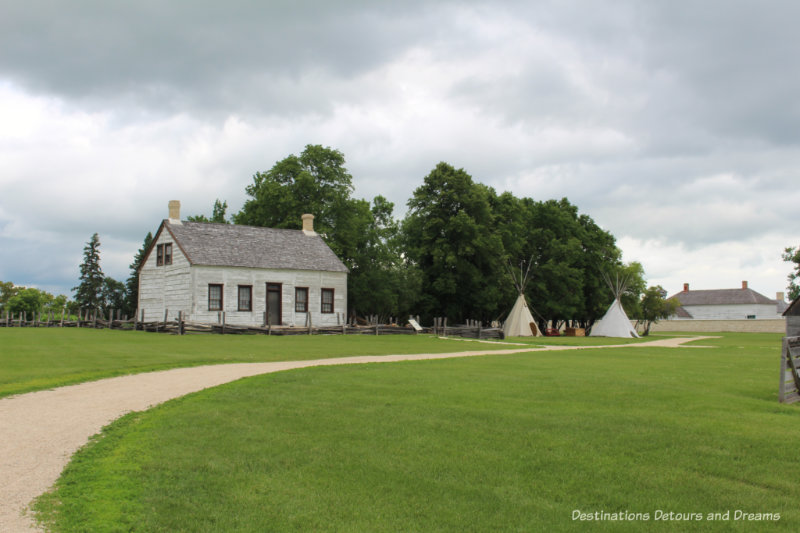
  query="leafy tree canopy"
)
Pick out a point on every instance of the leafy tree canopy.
point(449, 234)
point(362, 235)
point(7, 291)
point(792, 255)
point(654, 306)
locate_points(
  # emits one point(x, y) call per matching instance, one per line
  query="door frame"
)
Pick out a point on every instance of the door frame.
point(278, 288)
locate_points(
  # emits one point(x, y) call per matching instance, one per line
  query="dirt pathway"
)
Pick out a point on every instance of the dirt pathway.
point(40, 431)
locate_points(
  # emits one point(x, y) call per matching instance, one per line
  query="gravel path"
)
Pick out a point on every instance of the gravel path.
point(41, 430)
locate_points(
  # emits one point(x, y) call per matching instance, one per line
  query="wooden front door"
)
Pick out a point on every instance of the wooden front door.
point(274, 313)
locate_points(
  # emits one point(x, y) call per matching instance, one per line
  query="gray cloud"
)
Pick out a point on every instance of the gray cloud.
point(674, 125)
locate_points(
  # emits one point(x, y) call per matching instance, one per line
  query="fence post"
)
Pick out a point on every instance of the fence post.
point(180, 322)
point(309, 322)
point(223, 322)
point(166, 314)
point(444, 328)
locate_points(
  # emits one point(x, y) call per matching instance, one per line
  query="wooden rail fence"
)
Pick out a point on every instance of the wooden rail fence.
point(180, 326)
point(789, 388)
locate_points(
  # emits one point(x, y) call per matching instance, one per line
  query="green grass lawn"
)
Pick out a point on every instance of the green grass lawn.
point(501, 443)
point(41, 358)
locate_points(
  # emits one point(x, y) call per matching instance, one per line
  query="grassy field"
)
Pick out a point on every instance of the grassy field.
point(504, 443)
point(41, 358)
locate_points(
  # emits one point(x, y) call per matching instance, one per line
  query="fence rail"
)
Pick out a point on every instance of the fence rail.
point(180, 326)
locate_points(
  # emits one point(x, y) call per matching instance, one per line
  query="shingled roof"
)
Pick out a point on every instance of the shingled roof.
point(252, 247)
point(722, 297)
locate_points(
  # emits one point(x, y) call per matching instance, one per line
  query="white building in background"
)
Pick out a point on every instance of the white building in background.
point(727, 304)
point(253, 274)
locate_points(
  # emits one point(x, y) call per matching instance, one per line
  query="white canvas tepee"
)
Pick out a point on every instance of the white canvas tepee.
point(519, 322)
point(615, 322)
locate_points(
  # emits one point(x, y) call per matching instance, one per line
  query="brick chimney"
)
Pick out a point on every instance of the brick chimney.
point(174, 212)
point(685, 287)
point(308, 224)
point(744, 285)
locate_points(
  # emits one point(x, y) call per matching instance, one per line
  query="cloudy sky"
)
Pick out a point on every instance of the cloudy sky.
point(674, 125)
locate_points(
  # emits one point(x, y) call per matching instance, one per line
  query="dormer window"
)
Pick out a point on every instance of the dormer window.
point(164, 254)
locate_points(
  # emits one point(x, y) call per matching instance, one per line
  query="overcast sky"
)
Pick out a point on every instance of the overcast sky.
point(674, 125)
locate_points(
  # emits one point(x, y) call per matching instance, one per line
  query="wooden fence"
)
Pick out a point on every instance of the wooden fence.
point(789, 388)
point(180, 326)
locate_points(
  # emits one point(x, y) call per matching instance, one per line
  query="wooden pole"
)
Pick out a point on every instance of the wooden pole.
point(166, 314)
point(309, 322)
point(94, 319)
point(444, 328)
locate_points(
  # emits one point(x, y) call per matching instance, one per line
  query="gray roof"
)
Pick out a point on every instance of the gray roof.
point(253, 247)
point(793, 309)
point(723, 297)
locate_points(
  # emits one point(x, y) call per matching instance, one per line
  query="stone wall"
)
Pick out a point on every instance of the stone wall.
point(777, 325)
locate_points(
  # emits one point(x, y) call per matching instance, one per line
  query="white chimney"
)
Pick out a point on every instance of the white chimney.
point(308, 224)
point(779, 296)
point(174, 212)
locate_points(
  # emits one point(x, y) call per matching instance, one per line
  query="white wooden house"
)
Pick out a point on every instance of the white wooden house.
point(727, 304)
point(252, 274)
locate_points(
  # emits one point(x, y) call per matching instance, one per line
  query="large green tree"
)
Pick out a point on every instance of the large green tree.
point(362, 235)
point(7, 291)
point(568, 254)
point(792, 255)
point(113, 294)
point(450, 235)
point(27, 300)
point(89, 292)
point(316, 182)
point(654, 306)
point(131, 302)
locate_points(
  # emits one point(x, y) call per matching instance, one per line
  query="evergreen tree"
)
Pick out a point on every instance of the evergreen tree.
point(89, 292)
point(132, 284)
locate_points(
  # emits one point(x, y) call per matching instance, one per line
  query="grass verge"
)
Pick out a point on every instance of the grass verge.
point(503, 443)
point(42, 358)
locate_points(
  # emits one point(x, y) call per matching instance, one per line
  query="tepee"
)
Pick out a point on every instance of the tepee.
point(615, 322)
point(519, 322)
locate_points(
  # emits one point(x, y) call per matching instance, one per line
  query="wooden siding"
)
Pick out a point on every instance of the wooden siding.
point(793, 326)
point(232, 277)
point(165, 287)
point(732, 312)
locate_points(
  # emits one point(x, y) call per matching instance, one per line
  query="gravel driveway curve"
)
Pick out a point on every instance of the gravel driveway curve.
point(41, 430)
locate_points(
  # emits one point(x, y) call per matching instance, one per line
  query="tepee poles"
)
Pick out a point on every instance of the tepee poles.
point(521, 282)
